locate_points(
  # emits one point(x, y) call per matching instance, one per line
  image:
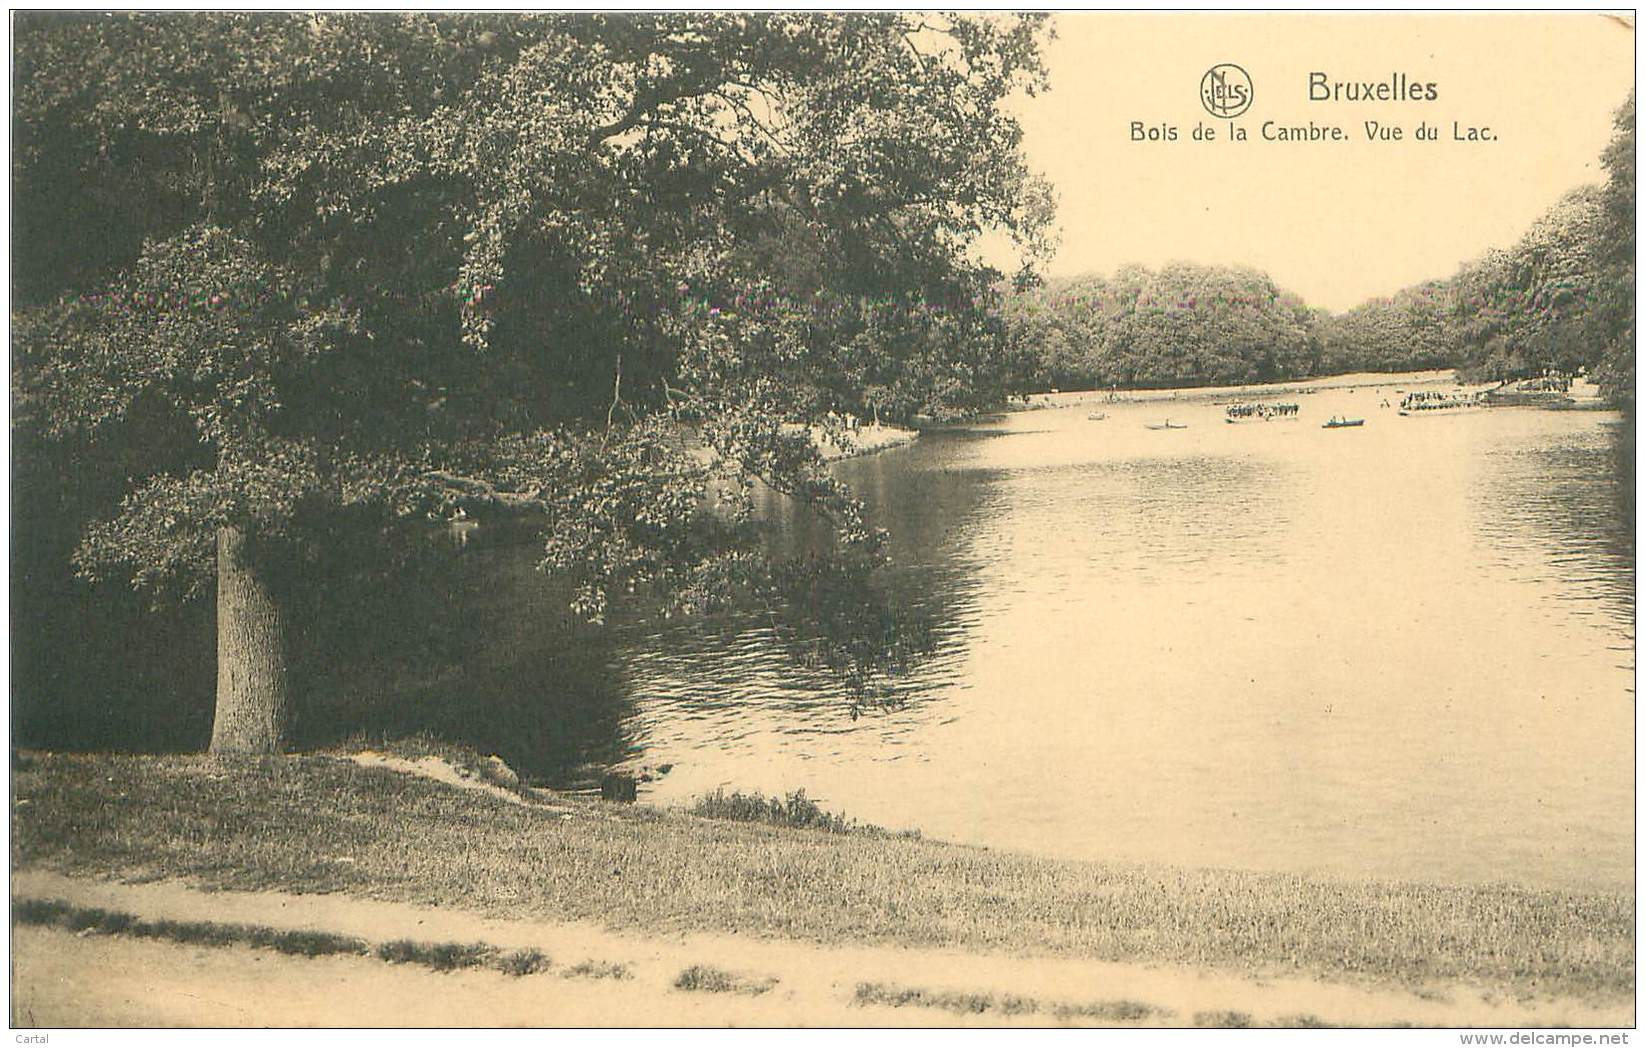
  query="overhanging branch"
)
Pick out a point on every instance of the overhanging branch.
point(474, 493)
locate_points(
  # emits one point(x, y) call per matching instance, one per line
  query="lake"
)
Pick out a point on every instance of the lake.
point(1398, 651)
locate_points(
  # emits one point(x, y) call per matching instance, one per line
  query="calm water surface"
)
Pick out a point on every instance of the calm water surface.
point(1400, 651)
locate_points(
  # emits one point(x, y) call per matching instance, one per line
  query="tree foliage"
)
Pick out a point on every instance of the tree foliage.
point(1406, 332)
point(1615, 314)
point(330, 279)
point(1184, 325)
point(396, 266)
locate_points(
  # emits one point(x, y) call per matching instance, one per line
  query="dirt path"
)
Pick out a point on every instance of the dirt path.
point(64, 979)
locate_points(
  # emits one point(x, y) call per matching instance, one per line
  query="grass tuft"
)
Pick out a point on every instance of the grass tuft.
point(1303, 1021)
point(81, 919)
point(702, 978)
point(796, 810)
point(598, 970)
point(522, 962)
point(958, 1003)
point(441, 956)
point(1116, 1011)
point(1226, 1020)
point(313, 944)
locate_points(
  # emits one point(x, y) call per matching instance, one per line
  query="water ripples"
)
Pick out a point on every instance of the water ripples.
point(1261, 646)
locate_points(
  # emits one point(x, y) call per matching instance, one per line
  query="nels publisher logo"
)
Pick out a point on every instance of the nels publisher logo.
point(1225, 91)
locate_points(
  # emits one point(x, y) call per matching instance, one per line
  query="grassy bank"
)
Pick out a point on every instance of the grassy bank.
point(319, 824)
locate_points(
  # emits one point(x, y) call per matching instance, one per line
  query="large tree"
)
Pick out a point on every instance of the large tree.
point(288, 274)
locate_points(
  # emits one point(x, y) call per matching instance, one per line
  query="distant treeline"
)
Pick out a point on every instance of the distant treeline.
point(1560, 299)
point(1184, 325)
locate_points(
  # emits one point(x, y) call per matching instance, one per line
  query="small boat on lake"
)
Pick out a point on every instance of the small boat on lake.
point(1341, 423)
point(1167, 424)
point(1096, 416)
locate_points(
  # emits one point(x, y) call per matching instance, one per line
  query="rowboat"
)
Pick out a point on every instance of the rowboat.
point(1339, 423)
point(1096, 416)
point(1165, 425)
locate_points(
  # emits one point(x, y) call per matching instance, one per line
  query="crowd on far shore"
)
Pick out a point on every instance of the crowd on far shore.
point(1262, 411)
point(1434, 400)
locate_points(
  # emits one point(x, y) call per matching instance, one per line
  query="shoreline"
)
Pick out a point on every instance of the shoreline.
point(1283, 387)
point(867, 439)
point(325, 828)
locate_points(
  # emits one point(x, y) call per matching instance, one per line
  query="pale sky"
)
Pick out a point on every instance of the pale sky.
point(1337, 222)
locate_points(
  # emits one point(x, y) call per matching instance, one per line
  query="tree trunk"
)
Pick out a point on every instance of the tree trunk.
point(252, 698)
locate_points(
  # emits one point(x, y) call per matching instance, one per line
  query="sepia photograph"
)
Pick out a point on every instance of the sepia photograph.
point(823, 519)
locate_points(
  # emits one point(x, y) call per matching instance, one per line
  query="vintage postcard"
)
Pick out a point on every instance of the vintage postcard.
point(823, 519)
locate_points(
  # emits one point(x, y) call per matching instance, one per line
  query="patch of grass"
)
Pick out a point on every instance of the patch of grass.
point(1116, 1011)
point(796, 810)
point(59, 914)
point(56, 913)
point(281, 823)
point(195, 933)
point(441, 956)
point(1224, 1020)
point(1304, 1021)
point(522, 962)
point(703, 978)
point(597, 970)
point(309, 943)
point(958, 1003)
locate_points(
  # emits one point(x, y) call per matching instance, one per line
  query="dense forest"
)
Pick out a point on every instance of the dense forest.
point(1561, 298)
point(1182, 326)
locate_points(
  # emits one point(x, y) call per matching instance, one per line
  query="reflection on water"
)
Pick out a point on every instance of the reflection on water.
point(1403, 650)
point(1539, 506)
